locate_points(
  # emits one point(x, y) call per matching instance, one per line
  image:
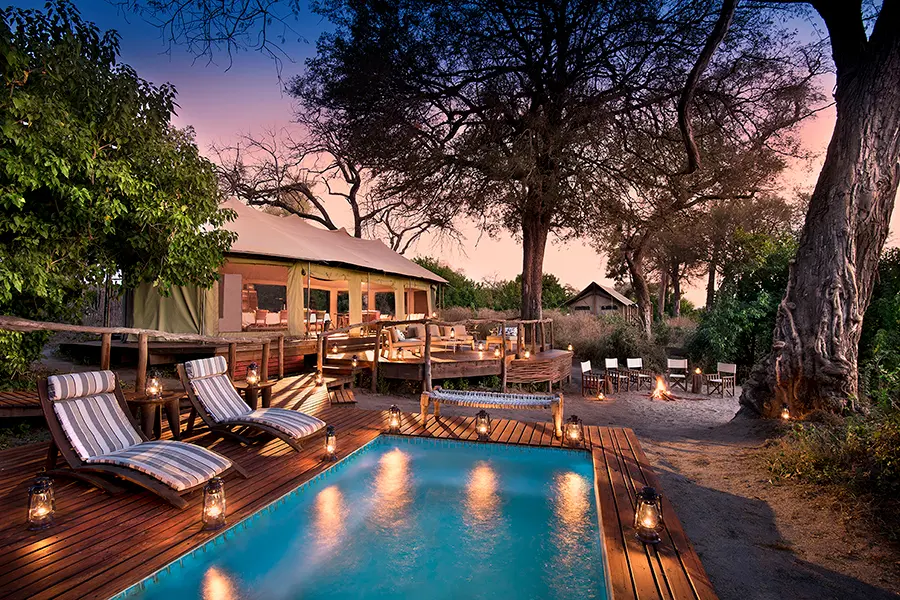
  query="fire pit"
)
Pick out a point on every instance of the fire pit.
point(661, 392)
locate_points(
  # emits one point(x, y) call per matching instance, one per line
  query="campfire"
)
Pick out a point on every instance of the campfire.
point(661, 392)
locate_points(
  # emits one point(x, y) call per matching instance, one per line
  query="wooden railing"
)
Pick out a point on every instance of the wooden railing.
point(143, 335)
point(541, 330)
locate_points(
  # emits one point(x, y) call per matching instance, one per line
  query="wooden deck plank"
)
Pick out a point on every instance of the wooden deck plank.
point(80, 557)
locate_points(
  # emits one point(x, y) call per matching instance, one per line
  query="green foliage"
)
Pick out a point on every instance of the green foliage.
point(17, 351)
point(597, 338)
point(94, 179)
point(497, 295)
point(739, 327)
point(859, 455)
point(879, 345)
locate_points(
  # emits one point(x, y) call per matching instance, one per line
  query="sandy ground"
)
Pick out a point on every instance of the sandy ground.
point(756, 540)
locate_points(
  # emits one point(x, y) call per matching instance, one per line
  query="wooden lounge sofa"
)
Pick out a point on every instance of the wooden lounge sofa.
point(395, 341)
point(222, 409)
point(440, 396)
point(93, 429)
point(458, 337)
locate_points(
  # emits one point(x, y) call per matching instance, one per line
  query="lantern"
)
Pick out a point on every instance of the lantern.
point(434, 315)
point(648, 516)
point(154, 387)
point(497, 352)
point(697, 371)
point(481, 346)
point(354, 361)
point(214, 504)
point(574, 430)
point(252, 374)
point(334, 349)
point(330, 443)
point(41, 503)
point(394, 419)
point(570, 348)
point(601, 396)
point(453, 333)
point(527, 353)
point(483, 425)
point(320, 379)
point(785, 412)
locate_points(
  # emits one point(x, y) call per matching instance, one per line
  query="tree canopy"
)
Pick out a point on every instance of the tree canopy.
point(94, 178)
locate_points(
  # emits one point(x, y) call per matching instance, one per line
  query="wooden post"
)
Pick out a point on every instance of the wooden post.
point(232, 359)
point(552, 344)
point(378, 328)
point(503, 356)
point(543, 337)
point(105, 350)
point(140, 381)
point(320, 350)
point(280, 357)
point(534, 329)
point(520, 338)
point(427, 382)
point(264, 370)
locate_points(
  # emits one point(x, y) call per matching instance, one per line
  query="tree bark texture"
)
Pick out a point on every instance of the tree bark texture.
point(534, 243)
point(676, 290)
point(635, 260)
point(813, 362)
point(661, 294)
point(711, 278)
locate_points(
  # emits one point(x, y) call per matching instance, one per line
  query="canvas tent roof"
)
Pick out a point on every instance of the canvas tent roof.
point(290, 237)
point(594, 286)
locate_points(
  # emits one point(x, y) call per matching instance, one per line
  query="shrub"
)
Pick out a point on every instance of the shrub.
point(597, 338)
point(859, 456)
point(17, 352)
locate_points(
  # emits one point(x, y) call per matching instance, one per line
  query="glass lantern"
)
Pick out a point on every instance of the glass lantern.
point(785, 412)
point(527, 353)
point(481, 346)
point(574, 431)
point(41, 503)
point(253, 374)
point(483, 425)
point(497, 352)
point(320, 379)
point(330, 443)
point(697, 371)
point(570, 348)
point(601, 395)
point(214, 504)
point(354, 362)
point(453, 333)
point(434, 315)
point(154, 387)
point(394, 419)
point(334, 349)
point(648, 516)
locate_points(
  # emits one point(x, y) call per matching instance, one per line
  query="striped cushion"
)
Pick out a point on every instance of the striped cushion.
point(219, 398)
point(78, 385)
point(205, 367)
point(294, 423)
point(176, 464)
point(493, 399)
point(95, 425)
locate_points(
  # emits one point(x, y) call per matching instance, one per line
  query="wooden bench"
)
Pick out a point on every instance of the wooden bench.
point(440, 396)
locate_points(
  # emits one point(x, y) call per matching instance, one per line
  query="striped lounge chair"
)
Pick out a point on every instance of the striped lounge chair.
point(96, 434)
point(439, 396)
point(222, 409)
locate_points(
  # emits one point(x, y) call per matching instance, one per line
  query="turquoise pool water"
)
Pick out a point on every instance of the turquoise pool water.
point(411, 518)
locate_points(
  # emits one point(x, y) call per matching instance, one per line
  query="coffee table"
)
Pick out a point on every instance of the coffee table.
point(150, 412)
point(251, 392)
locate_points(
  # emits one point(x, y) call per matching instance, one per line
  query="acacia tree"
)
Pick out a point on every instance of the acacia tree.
point(813, 362)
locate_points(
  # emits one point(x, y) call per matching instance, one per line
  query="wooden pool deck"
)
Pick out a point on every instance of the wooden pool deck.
point(101, 544)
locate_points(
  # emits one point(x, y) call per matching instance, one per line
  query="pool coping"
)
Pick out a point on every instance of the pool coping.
point(245, 521)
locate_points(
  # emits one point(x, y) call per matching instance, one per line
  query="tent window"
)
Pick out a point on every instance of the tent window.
point(343, 302)
point(384, 303)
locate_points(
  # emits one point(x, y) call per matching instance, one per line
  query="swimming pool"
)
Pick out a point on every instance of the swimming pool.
point(411, 518)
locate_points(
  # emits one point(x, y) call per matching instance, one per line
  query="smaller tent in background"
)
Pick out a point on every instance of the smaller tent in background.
point(599, 300)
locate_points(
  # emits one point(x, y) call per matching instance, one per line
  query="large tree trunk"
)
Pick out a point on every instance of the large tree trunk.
point(534, 243)
point(661, 294)
point(711, 278)
point(676, 290)
point(635, 261)
point(813, 363)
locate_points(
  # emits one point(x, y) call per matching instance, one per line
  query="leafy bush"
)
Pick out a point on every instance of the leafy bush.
point(859, 455)
point(17, 352)
point(596, 338)
point(879, 345)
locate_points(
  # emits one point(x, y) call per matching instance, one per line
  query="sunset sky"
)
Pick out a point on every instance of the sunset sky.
point(220, 102)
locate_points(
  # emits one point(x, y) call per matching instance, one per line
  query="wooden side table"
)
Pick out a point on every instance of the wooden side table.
point(150, 412)
point(251, 393)
point(696, 382)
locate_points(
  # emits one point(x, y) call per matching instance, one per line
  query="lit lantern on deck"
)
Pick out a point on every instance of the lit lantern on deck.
point(320, 379)
point(648, 516)
point(434, 315)
point(481, 346)
point(574, 431)
point(497, 352)
point(154, 387)
point(483, 425)
point(354, 362)
point(334, 349)
point(330, 443)
point(41, 503)
point(452, 333)
point(785, 412)
point(214, 504)
point(394, 419)
point(252, 374)
point(570, 348)
point(527, 353)
point(601, 395)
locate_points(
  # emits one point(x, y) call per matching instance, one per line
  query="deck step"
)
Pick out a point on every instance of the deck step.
point(342, 396)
